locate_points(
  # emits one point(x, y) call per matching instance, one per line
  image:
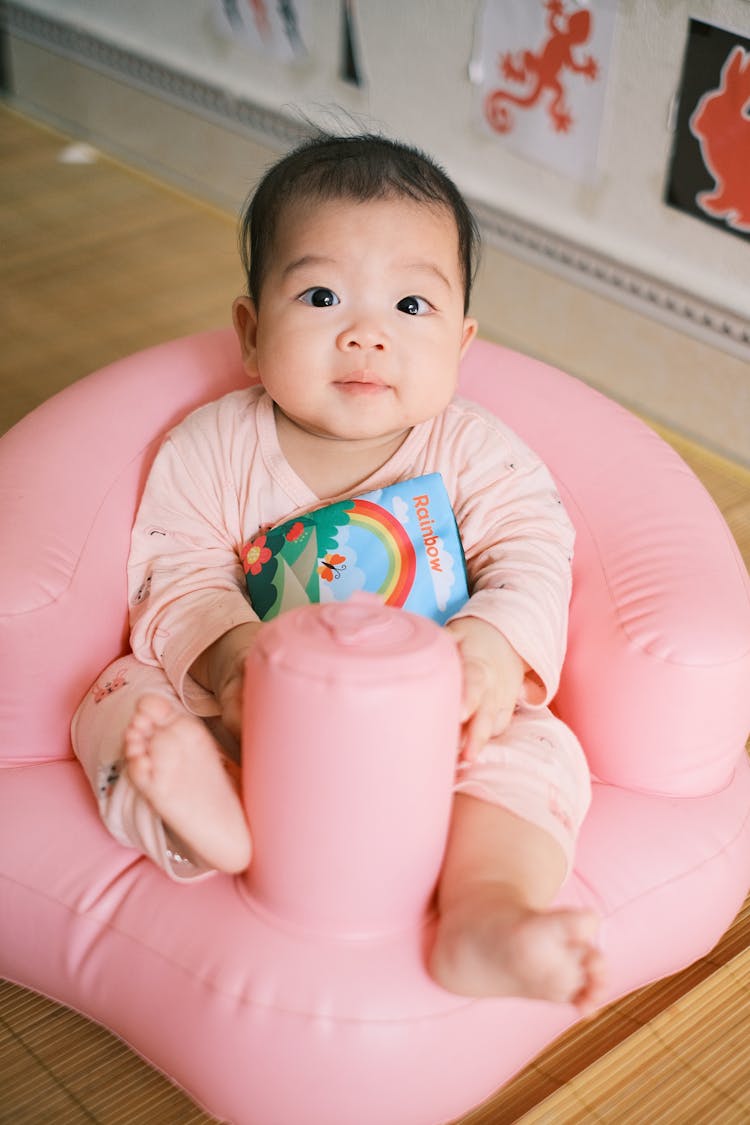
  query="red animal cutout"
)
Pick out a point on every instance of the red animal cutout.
point(260, 15)
point(720, 124)
point(544, 70)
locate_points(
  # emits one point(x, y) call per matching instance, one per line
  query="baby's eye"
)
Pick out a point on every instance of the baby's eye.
point(414, 306)
point(319, 297)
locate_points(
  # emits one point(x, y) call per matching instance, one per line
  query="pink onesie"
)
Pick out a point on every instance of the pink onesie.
point(220, 476)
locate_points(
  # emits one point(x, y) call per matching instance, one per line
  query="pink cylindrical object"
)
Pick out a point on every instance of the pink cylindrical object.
point(349, 751)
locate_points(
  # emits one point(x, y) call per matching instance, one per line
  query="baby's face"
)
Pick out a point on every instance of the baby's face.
point(361, 326)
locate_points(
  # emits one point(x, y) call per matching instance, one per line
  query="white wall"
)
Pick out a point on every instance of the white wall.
point(416, 56)
point(647, 304)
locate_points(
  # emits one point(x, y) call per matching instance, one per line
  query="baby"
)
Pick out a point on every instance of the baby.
point(360, 254)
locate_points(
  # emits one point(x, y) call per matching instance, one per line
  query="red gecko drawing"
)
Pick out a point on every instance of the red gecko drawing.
point(544, 70)
point(721, 126)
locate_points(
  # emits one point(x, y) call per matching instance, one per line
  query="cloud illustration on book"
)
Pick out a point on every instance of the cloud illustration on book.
point(444, 579)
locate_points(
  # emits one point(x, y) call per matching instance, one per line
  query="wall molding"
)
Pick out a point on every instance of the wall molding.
point(648, 295)
point(178, 86)
point(653, 297)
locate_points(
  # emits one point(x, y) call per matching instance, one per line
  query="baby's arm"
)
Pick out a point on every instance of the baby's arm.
point(188, 600)
point(518, 542)
point(493, 676)
point(221, 669)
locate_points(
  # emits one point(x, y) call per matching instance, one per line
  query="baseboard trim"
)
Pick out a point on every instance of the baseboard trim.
point(152, 75)
point(676, 308)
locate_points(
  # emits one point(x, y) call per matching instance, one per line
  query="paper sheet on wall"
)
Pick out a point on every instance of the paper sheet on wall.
point(541, 69)
point(350, 69)
point(270, 27)
point(709, 175)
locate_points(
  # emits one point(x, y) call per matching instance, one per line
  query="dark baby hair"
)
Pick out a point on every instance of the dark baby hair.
point(358, 168)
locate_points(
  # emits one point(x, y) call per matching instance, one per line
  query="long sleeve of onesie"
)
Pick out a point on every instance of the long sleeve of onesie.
point(517, 538)
point(185, 579)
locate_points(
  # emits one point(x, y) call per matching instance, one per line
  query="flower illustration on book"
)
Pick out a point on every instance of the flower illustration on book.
point(255, 554)
point(294, 532)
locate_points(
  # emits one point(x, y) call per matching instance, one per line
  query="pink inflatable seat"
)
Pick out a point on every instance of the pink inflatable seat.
point(263, 1020)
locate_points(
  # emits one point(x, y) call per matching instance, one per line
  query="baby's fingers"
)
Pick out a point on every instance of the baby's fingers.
point(484, 717)
point(230, 702)
point(477, 730)
point(473, 689)
point(474, 737)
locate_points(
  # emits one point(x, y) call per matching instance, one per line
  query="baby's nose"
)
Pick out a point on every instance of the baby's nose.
point(365, 334)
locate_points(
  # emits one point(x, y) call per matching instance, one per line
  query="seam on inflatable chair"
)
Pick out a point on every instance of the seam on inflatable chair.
point(571, 503)
point(24, 763)
point(197, 975)
point(725, 847)
point(251, 1002)
point(669, 794)
point(60, 594)
point(204, 981)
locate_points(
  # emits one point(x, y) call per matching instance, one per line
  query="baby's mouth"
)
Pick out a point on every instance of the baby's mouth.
point(361, 382)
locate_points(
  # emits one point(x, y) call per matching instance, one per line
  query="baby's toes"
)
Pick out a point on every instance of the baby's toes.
point(140, 769)
point(141, 726)
point(582, 927)
point(591, 992)
point(156, 710)
point(135, 741)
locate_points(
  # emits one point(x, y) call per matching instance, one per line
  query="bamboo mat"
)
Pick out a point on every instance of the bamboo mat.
point(702, 1038)
point(98, 262)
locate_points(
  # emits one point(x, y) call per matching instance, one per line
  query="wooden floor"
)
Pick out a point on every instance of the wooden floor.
point(98, 262)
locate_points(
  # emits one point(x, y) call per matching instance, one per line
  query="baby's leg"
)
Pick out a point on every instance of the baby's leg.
point(515, 816)
point(176, 764)
point(99, 734)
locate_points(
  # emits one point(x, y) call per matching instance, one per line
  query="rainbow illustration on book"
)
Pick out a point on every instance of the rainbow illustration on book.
point(399, 549)
point(400, 543)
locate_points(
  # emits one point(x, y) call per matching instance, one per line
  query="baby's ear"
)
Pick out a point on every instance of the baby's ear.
point(470, 330)
point(245, 321)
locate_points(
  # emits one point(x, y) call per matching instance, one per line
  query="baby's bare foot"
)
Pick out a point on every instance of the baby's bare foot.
point(177, 766)
point(489, 946)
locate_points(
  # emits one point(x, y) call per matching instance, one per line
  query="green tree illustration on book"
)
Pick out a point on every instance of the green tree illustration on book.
point(285, 565)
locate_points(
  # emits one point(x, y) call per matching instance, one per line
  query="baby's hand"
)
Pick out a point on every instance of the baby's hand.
point(493, 674)
point(221, 668)
point(229, 697)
